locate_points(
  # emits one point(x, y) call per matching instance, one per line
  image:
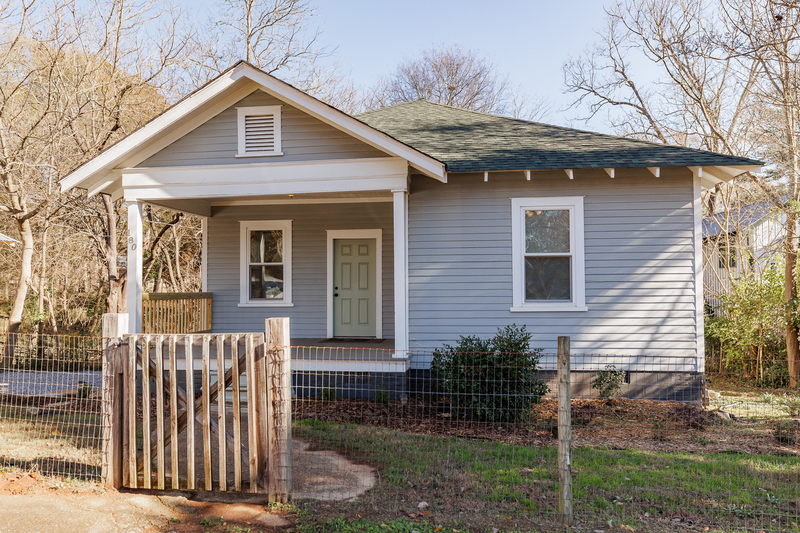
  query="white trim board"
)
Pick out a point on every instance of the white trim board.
point(258, 179)
point(376, 234)
point(311, 365)
point(302, 201)
point(697, 212)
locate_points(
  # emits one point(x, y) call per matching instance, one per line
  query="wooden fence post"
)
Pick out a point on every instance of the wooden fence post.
point(278, 354)
point(114, 326)
point(564, 433)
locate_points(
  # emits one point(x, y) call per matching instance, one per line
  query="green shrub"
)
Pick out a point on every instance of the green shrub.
point(491, 380)
point(381, 394)
point(608, 381)
point(328, 394)
point(85, 389)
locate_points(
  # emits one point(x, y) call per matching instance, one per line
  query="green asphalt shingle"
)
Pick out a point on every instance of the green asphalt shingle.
point(469, 141)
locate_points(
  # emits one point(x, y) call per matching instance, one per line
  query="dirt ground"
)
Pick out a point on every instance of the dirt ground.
point(33, 503)
point(617, 424)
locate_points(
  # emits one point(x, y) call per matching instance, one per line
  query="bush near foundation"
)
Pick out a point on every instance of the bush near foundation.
point(491, 380)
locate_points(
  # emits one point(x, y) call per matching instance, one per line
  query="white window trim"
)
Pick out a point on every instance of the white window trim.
point(376, 234)
point(242, 112)
point(578, 275)
point(246, 226)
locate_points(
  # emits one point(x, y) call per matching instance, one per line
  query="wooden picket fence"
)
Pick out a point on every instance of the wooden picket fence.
point(155, 422)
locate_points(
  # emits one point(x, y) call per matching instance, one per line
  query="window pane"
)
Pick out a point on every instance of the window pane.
point(266, 282)
point(547, 231)
point(266, 246)
point(547, 278)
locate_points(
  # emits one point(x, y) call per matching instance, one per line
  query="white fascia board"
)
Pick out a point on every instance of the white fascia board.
point(96, 168)
point(216, 181)
point(341, 121)
point(732, 172)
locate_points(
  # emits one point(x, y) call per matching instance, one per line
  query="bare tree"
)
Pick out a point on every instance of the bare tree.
point(727, 72)
point(769, 35)
point(456, 77)
point(74, 81)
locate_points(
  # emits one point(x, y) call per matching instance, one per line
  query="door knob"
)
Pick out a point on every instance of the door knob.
point(336, 294)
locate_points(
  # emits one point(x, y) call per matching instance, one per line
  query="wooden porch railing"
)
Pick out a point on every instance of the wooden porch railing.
point(176, 312)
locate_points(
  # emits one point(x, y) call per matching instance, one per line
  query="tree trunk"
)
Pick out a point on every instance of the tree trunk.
point(26, 236)
point(114, 281)
point(790, 294)
point(15, 320)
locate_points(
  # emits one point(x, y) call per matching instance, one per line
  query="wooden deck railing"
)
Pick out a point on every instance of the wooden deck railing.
point(176, 312)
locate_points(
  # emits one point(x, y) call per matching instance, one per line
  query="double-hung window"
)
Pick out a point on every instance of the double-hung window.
point(547, 250)
point(266, 263)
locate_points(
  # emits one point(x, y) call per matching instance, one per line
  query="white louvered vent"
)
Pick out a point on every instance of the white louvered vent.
point(259, 131)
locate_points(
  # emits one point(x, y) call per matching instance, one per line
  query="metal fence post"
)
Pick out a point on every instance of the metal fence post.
point(564, 433)
point(114, 326)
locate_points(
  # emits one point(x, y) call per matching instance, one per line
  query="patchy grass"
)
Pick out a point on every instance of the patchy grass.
point(66, 444)
point(465, 478)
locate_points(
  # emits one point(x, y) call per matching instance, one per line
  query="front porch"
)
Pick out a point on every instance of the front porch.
point(300, 281)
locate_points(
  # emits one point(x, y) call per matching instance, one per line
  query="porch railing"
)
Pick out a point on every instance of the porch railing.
point(176, 312)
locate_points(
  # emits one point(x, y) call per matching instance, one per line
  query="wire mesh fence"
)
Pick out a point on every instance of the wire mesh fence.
point(50, 405)
point(471, 438)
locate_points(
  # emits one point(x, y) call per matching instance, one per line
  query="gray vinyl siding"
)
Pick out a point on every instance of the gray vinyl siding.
point(639, 258)
point(308, 317)
point(303, 138)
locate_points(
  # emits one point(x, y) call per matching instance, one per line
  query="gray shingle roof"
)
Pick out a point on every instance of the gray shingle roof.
point(469, 141)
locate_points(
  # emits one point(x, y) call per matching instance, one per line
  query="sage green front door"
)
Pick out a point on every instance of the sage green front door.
point(354, 291)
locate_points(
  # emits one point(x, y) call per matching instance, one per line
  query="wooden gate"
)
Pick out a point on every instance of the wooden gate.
point(172, 426)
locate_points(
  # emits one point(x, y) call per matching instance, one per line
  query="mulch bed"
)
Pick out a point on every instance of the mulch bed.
point(617, 424)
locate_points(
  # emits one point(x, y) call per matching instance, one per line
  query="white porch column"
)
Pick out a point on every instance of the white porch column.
point(204, 253)
point(400, 203)
point(135, 238)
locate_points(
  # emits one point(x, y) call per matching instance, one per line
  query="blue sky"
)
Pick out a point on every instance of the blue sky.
point(527, 40)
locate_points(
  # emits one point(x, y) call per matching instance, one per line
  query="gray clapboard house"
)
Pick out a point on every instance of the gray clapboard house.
point(417, 223)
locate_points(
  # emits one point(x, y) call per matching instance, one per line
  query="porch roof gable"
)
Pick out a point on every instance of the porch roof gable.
point(103, 173)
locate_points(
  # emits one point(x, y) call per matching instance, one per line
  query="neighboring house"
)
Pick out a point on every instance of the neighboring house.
point(739, 241)
point(419, 222)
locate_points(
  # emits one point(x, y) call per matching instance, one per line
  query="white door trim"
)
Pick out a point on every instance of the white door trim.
point(376, 234)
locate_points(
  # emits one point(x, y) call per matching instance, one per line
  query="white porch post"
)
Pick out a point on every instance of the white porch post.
point(135, 238)
point(400, 204)
point(204, 253)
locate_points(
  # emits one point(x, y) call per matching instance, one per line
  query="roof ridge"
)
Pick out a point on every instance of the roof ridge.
point(391, 106)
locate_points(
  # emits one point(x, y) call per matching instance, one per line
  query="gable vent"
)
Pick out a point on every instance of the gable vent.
point(259, 131)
